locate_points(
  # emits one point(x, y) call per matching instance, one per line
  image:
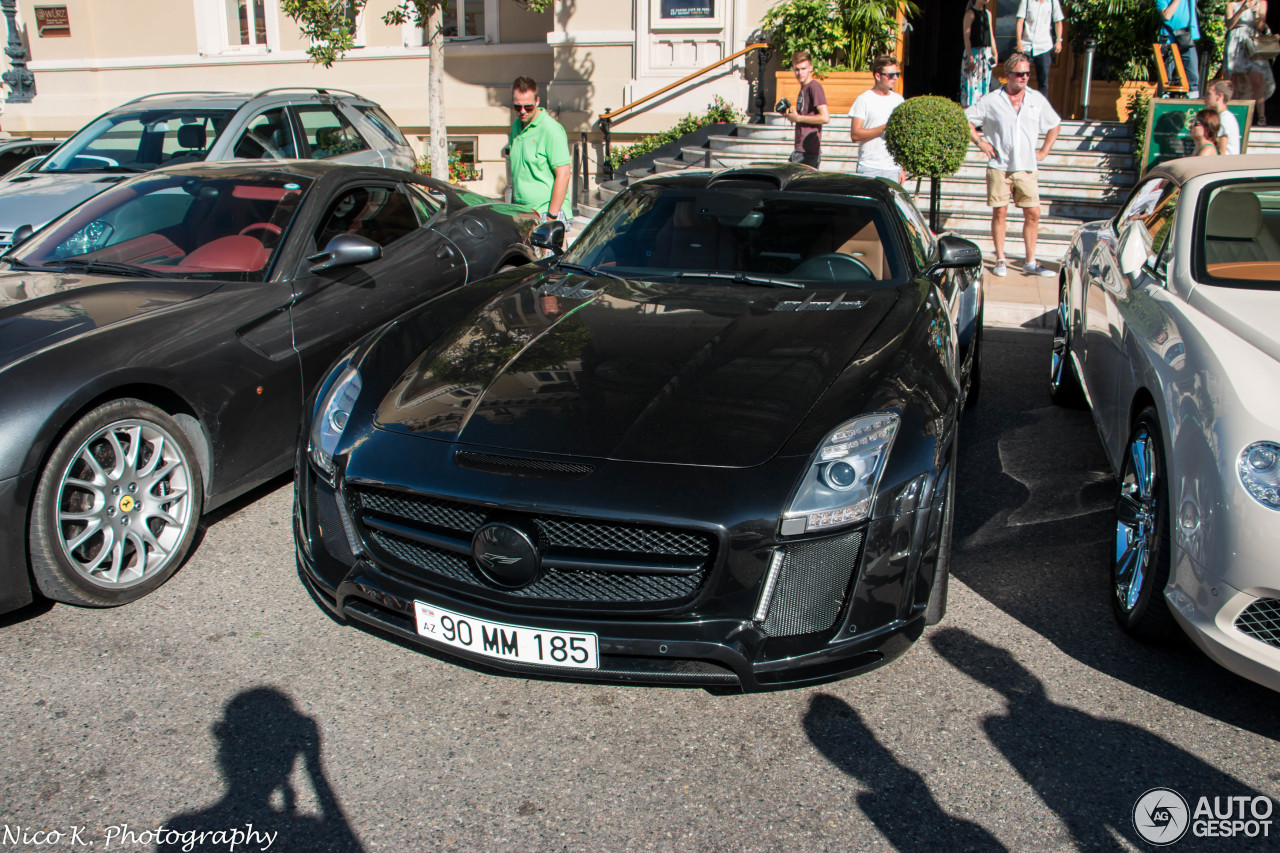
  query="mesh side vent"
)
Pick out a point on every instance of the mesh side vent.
point(329, 520)
point(1261, 620)
point(812, 585)
point(517, 465)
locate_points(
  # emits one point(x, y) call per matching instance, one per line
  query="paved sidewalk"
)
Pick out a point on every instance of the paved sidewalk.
point(1020, 301)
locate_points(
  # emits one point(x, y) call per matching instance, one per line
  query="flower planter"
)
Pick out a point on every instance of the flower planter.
point(841, 88)
point(1108, 100)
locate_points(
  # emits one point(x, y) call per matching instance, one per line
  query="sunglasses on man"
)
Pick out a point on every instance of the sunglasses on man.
point(524, 108)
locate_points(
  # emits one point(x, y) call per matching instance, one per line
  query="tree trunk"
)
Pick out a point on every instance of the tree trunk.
point(437, 142)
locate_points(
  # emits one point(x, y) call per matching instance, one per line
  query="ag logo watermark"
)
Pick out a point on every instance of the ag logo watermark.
point(1161, 816)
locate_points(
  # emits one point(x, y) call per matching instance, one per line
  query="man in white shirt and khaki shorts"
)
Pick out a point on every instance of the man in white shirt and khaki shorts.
point(1012, 119)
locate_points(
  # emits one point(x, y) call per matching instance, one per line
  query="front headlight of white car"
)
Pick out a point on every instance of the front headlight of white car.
point(331, 418)
point(1259, 469)
point(839, 487)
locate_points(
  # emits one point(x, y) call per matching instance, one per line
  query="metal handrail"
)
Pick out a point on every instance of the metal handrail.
point(609, 116)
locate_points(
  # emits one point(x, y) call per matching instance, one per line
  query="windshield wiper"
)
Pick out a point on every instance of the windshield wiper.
point(591, 271)
point(742, 278)
point(109, 267)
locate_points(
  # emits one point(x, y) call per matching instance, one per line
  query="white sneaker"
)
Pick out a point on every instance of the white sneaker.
point(1000, 268)
point(1034, 268)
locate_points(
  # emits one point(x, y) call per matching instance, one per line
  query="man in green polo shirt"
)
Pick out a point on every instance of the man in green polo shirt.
point(539, 154)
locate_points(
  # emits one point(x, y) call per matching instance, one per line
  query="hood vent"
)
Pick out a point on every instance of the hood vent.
point(517, 466)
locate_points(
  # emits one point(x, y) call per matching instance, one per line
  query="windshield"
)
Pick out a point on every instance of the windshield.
point(140, 141)
point(1238, 235)
point(744, 233)
point(225, 226)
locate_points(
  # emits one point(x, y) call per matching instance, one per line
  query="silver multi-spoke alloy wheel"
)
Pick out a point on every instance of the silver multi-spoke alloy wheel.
point(117, 506)
point(1064, 387)
point(1140, 561)
point(125, 503)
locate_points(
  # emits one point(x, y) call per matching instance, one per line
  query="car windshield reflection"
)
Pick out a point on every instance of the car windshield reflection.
point(742, 235)
point(224, 227)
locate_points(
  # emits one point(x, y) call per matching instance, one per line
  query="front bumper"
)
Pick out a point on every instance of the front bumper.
point(1231, 626)
point(842, 603)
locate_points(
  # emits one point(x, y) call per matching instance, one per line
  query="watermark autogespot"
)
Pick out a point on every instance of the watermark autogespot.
point(123, 836)
point(1162, 817)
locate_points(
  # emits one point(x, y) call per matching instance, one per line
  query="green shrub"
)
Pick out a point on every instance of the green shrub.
point(1126, 29)
point(717, 113)
point(928, 135)
point(1139, 106)
point(839, 35)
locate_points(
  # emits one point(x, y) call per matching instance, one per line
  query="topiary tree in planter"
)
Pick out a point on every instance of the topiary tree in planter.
point(928, 135)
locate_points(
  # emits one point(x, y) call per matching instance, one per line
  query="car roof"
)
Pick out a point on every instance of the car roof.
point(235, 100)
point(792, 177)
point(1185, 168)
point(312, 169)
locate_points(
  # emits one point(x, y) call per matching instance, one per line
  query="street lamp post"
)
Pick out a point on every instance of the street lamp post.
point(19, 79)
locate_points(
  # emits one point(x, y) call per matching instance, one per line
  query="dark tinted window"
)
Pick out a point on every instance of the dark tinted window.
point(13, 156)
point(383, 214)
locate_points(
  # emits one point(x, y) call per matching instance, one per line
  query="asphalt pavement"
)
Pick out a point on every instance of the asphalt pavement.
point(1025, 721)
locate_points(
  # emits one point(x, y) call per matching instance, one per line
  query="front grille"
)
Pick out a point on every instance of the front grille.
point(613, 564)
point(1261, 620)
point(812, 585)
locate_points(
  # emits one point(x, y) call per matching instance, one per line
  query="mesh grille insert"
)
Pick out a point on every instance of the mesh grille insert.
point(1261, 620)
point(812, 585)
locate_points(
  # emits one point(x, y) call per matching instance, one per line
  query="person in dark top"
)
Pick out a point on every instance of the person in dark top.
point(980, 54)
point(809, 113)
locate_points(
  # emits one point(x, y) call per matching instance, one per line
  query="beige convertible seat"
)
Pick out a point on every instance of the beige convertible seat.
point(1234, 230)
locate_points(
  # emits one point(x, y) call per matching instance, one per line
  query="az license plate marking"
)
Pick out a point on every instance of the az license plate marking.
point(507, 642)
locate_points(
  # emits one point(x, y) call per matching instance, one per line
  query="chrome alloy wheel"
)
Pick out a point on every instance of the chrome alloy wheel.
point(124, 504)
point(1136, 520)
point(1061, 344)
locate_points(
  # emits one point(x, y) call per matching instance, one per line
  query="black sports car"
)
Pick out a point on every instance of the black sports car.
point(157, 344)
point(712, 443)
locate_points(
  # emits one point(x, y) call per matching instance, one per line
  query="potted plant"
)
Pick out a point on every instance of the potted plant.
point(842, 37)
point(928, 135)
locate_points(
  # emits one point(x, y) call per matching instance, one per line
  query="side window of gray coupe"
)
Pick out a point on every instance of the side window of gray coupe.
point(382, 214)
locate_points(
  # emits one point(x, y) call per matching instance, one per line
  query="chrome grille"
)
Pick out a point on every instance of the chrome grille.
point(1261, 620)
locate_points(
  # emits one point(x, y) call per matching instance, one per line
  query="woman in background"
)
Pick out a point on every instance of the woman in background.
point(979, 52)
point(1204, 134)
point(1244, 20)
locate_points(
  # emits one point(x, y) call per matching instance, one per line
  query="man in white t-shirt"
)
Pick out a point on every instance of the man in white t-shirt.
point(870, 113)
point(1216, 98)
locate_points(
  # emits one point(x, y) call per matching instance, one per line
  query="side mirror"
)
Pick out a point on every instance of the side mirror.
point(954, 252)
point(1132, 252)
point(549, 235)
point(21, 233)
point(345, 250)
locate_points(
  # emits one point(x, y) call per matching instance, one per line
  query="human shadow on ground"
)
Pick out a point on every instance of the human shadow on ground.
point(1090, 771)
point(899, 802)
point(262, 738)
point(1034, 531)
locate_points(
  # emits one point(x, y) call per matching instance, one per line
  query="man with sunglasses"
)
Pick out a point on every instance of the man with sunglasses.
point(1012, 119)
point(870, 113)
point(540, 159)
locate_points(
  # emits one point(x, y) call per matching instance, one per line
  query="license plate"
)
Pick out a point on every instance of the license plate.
point(507, 642)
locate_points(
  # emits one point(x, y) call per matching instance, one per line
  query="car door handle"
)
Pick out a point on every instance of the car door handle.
point(445, 252)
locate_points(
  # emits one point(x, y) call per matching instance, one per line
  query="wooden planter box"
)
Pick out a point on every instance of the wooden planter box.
point(841, 87)
point(1108, 100)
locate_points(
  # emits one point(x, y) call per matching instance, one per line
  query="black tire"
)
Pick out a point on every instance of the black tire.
point(1064, 384)
point(1141, 555)
point(975, 365)
point(116, 507)
point(937, 606)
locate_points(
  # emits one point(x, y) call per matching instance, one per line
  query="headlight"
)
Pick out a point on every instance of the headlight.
point(331, 418)
point(839, 487)
point(1259, 467)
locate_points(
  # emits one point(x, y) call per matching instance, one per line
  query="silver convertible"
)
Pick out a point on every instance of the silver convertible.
point(1168, 325)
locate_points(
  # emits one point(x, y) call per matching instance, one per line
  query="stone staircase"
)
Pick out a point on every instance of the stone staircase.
point(1087, 177)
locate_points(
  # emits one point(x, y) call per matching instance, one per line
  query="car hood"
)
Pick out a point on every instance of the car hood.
point(635, 371)
point(38, 309)
point(37, 197)
point(1253, 314)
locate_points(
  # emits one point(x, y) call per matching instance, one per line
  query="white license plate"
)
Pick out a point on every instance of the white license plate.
point(507, 642)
